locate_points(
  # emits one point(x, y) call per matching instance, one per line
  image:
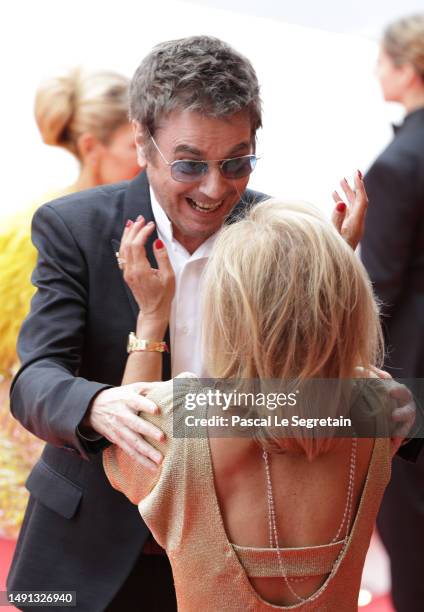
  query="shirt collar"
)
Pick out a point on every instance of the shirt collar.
point(163, 224)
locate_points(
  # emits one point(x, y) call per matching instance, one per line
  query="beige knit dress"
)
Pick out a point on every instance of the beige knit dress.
point(181, 509)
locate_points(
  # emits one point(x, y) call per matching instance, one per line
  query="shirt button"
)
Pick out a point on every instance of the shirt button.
point(184, 329)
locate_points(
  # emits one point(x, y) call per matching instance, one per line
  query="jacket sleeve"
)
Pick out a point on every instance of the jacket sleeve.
point(47, 396)
point(390, 225)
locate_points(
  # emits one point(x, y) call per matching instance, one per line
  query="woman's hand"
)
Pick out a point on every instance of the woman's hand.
point(349, 219)
point(153, 289)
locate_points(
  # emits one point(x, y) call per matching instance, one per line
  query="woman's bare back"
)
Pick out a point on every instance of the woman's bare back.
point(310, 499)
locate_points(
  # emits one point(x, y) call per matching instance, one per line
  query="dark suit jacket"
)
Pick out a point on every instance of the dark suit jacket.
point(393, 245)
point(78, 532)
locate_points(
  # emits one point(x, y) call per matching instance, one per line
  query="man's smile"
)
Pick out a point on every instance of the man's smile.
point(203, 206)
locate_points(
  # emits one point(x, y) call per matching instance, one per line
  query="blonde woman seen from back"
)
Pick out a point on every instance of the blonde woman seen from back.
point(247, 524)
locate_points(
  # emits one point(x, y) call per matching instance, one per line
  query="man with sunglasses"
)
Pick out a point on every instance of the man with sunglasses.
point(195, 107)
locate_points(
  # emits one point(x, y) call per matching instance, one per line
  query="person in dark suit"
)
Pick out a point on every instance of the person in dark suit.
point(195, 107)
point(393, 253)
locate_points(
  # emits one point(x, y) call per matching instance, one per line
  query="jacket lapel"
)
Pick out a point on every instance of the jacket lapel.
point(136, 202)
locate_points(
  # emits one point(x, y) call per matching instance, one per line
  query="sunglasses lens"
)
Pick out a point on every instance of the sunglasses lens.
point(238, 167)
point(187, 171)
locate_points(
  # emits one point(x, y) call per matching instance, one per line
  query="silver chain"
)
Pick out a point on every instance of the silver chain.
point(273, 531)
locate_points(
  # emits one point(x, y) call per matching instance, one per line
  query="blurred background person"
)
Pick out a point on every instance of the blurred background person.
point(393, 253)
point(86, 113)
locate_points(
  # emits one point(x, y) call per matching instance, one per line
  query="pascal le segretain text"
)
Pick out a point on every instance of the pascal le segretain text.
point(270, 420)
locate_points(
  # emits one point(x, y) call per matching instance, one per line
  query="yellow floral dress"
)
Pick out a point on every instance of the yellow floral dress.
point(19, 449)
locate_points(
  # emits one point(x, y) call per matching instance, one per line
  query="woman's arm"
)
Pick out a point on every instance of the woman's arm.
point(153, 290)
point(146, 365)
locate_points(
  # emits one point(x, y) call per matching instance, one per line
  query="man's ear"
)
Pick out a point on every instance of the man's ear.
point(140, 144)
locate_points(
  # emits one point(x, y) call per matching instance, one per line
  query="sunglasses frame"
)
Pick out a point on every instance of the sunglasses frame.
point(218, 162)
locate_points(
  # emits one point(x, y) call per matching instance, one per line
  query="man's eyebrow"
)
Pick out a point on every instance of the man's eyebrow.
point(184, 148)
point(240, 148)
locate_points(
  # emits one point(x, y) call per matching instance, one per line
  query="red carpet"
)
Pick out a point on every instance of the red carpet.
point(380, 604)
point(6, 552)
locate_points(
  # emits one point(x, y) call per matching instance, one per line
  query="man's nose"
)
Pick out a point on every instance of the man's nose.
point(213, 185)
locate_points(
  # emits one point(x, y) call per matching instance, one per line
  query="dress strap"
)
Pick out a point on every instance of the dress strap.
point(301, 562)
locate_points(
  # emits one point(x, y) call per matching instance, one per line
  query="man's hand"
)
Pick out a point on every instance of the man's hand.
point(403, 416)
point(114, 414)
point(349, 219)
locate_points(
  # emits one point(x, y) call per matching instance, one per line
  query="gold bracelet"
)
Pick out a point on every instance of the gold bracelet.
point(149, 346)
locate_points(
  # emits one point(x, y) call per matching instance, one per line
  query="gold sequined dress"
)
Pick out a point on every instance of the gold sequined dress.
point(181, 509)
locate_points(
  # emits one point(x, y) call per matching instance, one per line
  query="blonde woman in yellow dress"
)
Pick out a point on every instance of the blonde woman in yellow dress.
point(85, 113)
point(260, 523)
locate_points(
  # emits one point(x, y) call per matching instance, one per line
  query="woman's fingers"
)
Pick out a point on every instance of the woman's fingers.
point(350, 194)
point(359, 210)
point(349, 221)
point(153, 288)
point(133, 242)
point(128, 224)
point(337, 199)
point(140, 238)
point(163, 260)
point(130, 230)
point(339, 212)
point(132, 247)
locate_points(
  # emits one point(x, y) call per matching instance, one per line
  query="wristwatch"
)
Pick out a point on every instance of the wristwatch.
point(150, 346)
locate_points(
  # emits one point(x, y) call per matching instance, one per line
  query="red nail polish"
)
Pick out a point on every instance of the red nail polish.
point(159, 244)
point(360, 174)
point(341, 207)
point(128, 223)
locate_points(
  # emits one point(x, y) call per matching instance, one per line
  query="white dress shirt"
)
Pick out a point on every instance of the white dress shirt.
point(184, 324)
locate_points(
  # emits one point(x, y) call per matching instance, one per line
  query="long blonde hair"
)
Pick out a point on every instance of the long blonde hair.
point(70, 105)
point(286, 298)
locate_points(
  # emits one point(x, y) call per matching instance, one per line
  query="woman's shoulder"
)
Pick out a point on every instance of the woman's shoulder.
point(172, 393)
